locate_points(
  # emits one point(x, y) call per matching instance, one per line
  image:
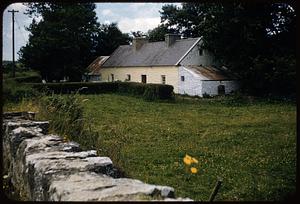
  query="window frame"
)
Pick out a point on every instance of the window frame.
point(163, 79)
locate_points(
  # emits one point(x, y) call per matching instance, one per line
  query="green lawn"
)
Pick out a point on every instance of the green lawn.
point(252, 147)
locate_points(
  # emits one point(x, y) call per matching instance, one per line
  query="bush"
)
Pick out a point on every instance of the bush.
point(66, 88)
point(29, 79)
point(14, 89)
point(206, 95)
point(147, 91)
point(13, 92)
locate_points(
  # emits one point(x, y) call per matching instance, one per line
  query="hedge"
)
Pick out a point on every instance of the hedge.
point(29, 79)
point(147, 91)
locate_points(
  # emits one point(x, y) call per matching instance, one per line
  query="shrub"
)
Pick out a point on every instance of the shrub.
point(150, 93)
point(147, 91)
point(206, 95)
point(29, 79)
point(13, 92)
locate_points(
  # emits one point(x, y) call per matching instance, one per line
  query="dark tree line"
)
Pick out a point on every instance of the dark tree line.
point(254, 40)
point(67, 39)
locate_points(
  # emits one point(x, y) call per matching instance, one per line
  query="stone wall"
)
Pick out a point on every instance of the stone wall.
point(43, 167)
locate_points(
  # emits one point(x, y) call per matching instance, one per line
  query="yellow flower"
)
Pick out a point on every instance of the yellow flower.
point(194, 170)
point(187, 160)
point(194, 160)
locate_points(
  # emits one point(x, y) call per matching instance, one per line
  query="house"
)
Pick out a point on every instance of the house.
point(181, 63)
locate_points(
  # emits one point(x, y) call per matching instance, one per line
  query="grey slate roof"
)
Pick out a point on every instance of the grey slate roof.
point(150, 54)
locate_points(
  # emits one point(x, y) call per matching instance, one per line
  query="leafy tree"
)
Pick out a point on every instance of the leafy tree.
point(253, 40)
point(62, 43)
point(109, 37)
point(158, 33)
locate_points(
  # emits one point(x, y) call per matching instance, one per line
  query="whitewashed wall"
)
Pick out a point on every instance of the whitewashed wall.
point(191, 85)
point(193, 58)
point(195, 84)
point(211, 87)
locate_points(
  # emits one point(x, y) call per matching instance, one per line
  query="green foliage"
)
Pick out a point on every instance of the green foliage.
point(147, 91)
point(61, 44)
point(13, 88)
point(71, 87)
point(65, 113)
point(29, 79)
point(206, 95)
point(109, 37)
point(67, 39)
point(252, 40)
point(158, 33)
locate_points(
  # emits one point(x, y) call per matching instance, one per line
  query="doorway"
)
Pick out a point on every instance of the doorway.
point(221, 90)
point(144, 79)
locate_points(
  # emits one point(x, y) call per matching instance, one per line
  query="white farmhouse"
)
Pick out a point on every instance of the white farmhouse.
point(181, 63)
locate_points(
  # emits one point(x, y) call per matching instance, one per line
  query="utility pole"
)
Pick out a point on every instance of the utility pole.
point(13, 40)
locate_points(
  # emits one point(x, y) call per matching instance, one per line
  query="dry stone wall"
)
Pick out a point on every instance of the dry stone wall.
point(43, 167)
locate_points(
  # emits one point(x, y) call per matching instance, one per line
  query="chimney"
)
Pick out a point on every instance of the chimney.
point(138, 42)
point(171, 38)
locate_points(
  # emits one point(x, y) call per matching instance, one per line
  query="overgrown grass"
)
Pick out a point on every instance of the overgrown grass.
point(250, 144)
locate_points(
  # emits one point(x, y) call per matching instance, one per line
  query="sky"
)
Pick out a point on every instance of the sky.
point(128, 16)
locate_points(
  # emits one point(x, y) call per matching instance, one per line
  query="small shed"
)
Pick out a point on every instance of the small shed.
point(200, 80)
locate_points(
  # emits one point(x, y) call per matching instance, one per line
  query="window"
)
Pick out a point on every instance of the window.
point(182, 78)
point(128, 77)
point(200, 51)
point(144, 79)
point(112, 77)
point(100, 77)
point(163, 79)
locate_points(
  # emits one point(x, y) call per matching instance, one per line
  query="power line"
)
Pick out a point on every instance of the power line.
point(21, 31)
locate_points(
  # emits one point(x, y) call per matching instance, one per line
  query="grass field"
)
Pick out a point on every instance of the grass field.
point(250, 146)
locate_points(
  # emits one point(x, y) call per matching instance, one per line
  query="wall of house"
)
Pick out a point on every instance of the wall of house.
point(211, 87)
point(153, 74)
point(192, 84)
point(194, 58)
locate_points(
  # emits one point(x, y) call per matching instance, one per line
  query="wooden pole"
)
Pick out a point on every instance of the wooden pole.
point(215, 190)
point(13, 41)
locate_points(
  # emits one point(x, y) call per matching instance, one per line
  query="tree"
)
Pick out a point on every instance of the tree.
point(158, 33)
point(109, 37)
point(253, 40)
point(62, 43)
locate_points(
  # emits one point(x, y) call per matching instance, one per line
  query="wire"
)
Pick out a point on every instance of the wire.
point(20, 30)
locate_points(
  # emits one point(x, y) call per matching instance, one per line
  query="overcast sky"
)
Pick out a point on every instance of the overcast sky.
point(129, 16)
